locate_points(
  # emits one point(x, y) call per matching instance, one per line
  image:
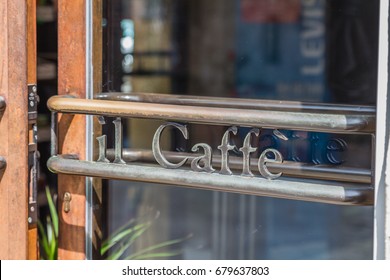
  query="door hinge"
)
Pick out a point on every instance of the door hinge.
point(33, 155)
point(33, 100)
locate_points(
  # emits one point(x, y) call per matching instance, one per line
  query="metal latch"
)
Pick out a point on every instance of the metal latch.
point(33, 167)
point(33, 155)
point(33, 100)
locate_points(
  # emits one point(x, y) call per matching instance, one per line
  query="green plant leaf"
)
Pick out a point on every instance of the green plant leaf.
point(119, 236)
point(117, 254)
point(53, 211)
point(52, 244)
point(49, 230)
point(43, 239)
point(122, 239)
point(157, 255)
point(124, 227)
point(49, 235)
point(155, 247)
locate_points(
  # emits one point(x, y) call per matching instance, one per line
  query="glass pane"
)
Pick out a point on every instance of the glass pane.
point(295, 50)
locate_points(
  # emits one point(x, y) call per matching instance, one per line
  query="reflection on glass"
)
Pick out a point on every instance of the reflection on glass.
point(307, 51)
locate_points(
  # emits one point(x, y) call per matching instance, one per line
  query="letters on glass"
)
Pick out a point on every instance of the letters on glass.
point(202, 163)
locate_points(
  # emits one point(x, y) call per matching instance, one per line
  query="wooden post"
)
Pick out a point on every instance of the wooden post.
point(72, 129)
point(32, 79)
point(72, 79)
point(14, 130)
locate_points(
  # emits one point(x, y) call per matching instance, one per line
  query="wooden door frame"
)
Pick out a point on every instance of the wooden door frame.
point(79, 22)
point(72, 129)
point(18, 68)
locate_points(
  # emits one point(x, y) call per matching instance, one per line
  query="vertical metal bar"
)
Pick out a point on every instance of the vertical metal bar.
point(386, 210)
point(89, 128)
point(53, 134)
point(382, 169)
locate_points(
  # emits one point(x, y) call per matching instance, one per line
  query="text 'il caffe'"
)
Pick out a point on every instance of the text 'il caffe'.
point(203, 162)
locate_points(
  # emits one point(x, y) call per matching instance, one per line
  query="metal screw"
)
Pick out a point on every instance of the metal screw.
point(32, 209)
point(29, 220)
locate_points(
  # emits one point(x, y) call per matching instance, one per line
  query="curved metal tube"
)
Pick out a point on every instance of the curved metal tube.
point(237, 103)
point(288, 168)
point(320, 122)
point(329, 192)
point(3, 163)
point(2, 104)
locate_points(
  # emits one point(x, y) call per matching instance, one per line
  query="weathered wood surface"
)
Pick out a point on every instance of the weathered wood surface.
point(72, 129)
point(33, 253)
point(14, 130)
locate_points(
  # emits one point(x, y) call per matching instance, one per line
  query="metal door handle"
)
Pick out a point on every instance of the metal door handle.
point(289, 168)
point(340, 122)
point(355, 190)
point(3, 163)
point(2, 104)
point(237, 103)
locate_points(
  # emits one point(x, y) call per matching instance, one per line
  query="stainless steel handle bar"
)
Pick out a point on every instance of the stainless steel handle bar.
point(319, 122)
point(325, 192)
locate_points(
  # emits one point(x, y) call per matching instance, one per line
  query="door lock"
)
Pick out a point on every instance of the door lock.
point(67, 199)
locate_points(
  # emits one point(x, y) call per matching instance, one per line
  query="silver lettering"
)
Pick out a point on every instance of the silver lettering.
point(157, 149)
point(225, 148)
point(246, 150)
point(263, 159)
point(102, 140)
point(205, 159)
point(118, 141)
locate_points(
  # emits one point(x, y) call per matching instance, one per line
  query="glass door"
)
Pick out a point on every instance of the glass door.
point(239, 129)
point(303, 51)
